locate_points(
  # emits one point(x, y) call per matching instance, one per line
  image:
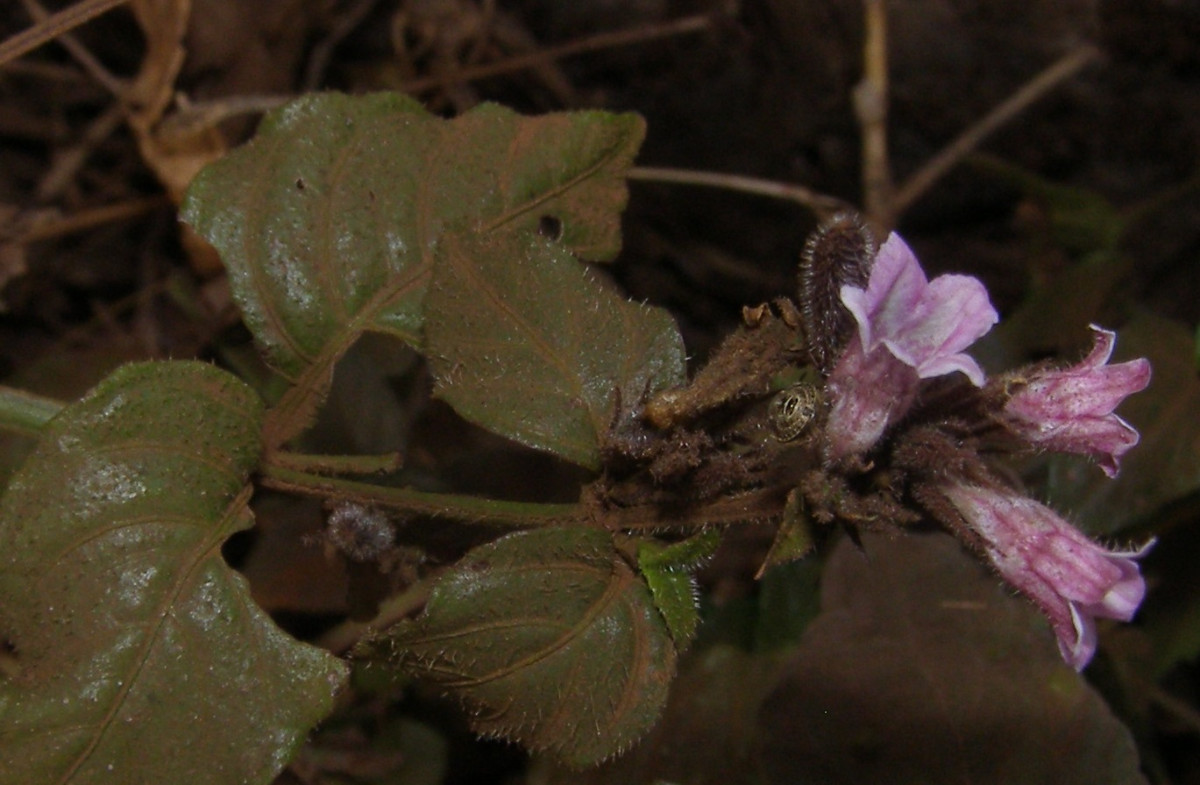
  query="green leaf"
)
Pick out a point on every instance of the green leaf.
point(548, 638)
point(667, 570)
point(787, 602)
point(524, 341)
point(1053, 317)
point(330, 220)
point(1081, 221)
point(140, 655)
point(794, 538)
point(922, 668)
point(708, 734)
point(1170, 616)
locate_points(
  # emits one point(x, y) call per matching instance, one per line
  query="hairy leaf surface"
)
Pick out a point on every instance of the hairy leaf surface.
point(523, 340)
point(668, 572)
point(549, 638)
point(330, 220)
point(141, 657)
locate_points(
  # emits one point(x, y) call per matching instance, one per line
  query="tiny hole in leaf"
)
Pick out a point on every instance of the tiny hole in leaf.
point(550, 227)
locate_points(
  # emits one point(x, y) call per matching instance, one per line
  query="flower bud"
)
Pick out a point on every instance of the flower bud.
point(1071, 409)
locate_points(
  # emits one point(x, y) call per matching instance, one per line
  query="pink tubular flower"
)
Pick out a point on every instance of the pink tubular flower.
point(909, 328)
point(1071, 409)
point(1071, 579)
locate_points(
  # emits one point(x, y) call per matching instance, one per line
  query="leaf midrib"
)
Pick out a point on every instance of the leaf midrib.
point(608, 597)
point(207, 548)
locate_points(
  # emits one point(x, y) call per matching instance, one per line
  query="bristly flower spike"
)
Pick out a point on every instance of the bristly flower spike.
point(839, 253)
point(908, 329)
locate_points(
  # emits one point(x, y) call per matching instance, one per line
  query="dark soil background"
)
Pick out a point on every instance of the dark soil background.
point(95, 269)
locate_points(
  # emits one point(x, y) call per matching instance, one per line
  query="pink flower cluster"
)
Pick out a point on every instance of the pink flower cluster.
point(911, 329)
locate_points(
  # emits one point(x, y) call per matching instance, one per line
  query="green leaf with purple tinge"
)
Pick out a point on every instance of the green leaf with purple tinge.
point(708, 734)
point(548, 638)
point(922, 668)
point(526, 342)
point(331, 219)
point(139, 654)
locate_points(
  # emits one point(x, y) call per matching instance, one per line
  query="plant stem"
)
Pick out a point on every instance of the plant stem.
point(338, 464)
point(933, 169)
point(683, 26)
point(24, 412)
point(757, 505)
point(821, 204)
point(871, 108)
point(467, 509)
point(341, 639)
point(70, 17)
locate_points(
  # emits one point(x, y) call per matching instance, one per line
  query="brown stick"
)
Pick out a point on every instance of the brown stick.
point(871, 109)
point(688, 24)
point(77, 50)
point(935, 168)
point(821, 204)
point(67, 19)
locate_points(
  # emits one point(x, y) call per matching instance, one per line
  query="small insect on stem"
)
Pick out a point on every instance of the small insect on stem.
point(793, 409)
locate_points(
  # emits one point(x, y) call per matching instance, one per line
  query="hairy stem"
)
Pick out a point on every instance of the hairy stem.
point(338, 464)
point(466, 509)
point(341, 639)
point(749, 507)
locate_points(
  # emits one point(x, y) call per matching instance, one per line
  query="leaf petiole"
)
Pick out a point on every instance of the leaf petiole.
point(342, 638)
point(467, 509)
point(338, 464)
point(24, 412)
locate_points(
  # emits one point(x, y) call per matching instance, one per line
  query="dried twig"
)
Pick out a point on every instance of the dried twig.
point(93, 217)
point(54, 26)
point(821, 204)
point(323, 51)
point(953, 153)
point(77, 50)
point(68, 162)
point(689, 24)
point(193, 118)
point(209, 113)
point(870, 107)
